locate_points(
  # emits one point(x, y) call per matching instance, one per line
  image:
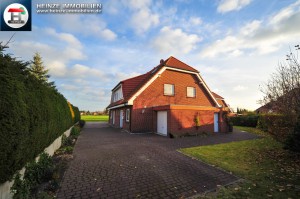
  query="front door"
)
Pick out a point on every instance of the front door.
point(162, 122)
point(121, 118)
point(216, 122)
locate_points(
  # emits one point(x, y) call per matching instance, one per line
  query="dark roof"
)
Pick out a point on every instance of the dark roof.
point(132, 85)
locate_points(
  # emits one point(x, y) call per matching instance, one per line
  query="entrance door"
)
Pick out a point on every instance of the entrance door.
point(162, 122)
point(121, 118)
point(216, 122)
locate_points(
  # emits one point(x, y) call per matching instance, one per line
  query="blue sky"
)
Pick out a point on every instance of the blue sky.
point(235, 44)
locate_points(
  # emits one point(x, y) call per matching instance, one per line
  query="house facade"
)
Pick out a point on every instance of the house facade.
point(172, 100)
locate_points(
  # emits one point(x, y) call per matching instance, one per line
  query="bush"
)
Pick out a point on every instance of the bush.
point(36, 172)
point(279, 126)
point(77, 114)
point(245, 120)
point(32, 116)
point(75, 131)
point(293, 140)
point(81, 123)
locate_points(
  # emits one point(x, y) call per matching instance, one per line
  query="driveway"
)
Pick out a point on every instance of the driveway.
point(109, 163)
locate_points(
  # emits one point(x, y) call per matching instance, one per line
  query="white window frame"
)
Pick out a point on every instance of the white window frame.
point(127, 115)
point(188, 91)
point(172, 89)
point(117, 95)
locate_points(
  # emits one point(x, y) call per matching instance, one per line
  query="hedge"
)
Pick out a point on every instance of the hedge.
point(277, 125)
point(245, 120)
point(32, 116)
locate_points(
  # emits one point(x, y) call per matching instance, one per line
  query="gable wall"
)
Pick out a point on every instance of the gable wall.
point(154, 94)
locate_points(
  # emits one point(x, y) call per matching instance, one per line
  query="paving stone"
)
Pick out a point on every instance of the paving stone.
point(109, 163)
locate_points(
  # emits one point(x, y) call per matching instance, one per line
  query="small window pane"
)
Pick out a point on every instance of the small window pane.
point(168, 89)
point(191, 92)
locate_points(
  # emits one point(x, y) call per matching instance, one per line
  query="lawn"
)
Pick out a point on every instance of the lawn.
point(268, 170)
point(95, 118)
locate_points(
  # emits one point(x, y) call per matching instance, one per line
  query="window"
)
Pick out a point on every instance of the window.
point(117, 95)
point(127, 115)
point(168, 89)
point(190, 92)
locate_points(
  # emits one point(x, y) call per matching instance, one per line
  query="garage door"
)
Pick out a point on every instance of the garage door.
point(162, 122)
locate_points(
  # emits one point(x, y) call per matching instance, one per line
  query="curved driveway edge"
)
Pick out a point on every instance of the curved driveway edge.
point(109, 163)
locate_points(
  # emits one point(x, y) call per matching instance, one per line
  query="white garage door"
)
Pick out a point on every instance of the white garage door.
point(162, 122)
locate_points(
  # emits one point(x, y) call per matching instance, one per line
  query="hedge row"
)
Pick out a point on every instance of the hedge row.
point(245, 120)
point(279, 126)
point(32, 116)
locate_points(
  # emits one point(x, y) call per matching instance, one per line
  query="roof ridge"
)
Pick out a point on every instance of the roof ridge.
point(172, 57)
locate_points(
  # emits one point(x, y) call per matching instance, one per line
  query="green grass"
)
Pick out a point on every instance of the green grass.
point(270, 171)
point(95, 118)
point(253, 130)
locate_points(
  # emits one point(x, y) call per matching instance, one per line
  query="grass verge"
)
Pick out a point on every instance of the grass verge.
point(95, 118)
point(270, 171)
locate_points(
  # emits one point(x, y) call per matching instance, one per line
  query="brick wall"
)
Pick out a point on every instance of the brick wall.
point(183, 122)
point(143, 120)
point(179, 121)
point(154, 94)
point(126, 125)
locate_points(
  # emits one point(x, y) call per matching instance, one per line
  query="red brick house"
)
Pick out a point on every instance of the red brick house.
point(171, 99)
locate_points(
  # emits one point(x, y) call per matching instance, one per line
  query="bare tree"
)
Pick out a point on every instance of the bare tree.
point(282, 92)
point(283, 88)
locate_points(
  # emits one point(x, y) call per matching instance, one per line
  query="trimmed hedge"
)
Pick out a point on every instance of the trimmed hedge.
point(32, 116)
point(245, 120)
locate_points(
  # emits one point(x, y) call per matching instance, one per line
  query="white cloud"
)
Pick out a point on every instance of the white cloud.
point(259, 37)
point(65, 37)
point(239, 88)
point(142, 18)
point(250, 28)
point(81, 71)
point(195, 21)
point(231, 5)
point(175, 41)
point(138, 4)
point(284, 13)
point(90, 25)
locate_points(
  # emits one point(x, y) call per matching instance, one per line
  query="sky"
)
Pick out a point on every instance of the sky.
point(235, 44)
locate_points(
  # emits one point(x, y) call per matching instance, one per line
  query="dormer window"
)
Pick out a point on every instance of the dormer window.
point(117, 95)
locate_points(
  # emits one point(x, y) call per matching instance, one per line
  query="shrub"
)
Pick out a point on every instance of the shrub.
point(36, 172)
point(77, 113)
point(75, 131)
point(279, 126)
point(81, 123)
point(293, 140)
point(32, 116)
point(245, 120)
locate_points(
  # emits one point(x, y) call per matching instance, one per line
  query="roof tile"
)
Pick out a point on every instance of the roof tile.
point(132, 85)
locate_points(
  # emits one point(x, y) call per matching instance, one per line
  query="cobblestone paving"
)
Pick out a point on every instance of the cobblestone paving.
point(109, 163)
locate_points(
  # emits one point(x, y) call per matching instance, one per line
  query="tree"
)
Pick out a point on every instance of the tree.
point(37, 69)
point(283, 91)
